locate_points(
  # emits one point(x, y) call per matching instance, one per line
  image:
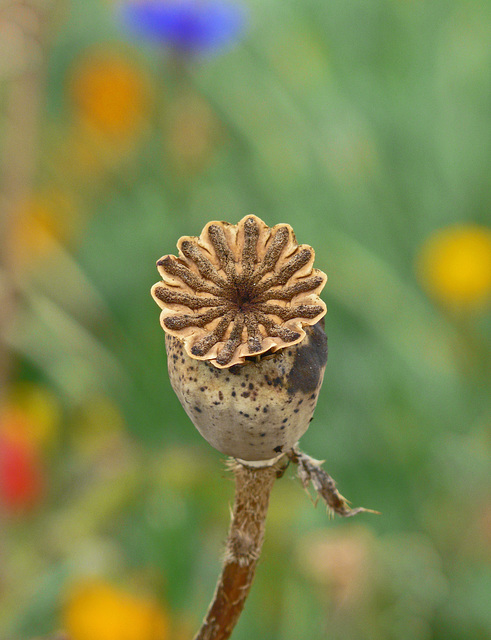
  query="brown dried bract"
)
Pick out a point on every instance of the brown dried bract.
point(239, 290)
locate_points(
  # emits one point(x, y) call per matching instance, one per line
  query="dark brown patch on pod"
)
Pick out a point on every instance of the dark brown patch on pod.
point(310, 362)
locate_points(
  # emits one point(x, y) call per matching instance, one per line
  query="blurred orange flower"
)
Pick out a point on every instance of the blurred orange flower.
point(110, 93)
point(96, 610)
point(454, 266)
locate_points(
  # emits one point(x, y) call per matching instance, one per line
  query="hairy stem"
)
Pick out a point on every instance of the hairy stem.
point(245, 539)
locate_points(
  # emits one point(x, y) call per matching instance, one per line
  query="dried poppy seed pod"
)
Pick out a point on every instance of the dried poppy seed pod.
point(245, 337)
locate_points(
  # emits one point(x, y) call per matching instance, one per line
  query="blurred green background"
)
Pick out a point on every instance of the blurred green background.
point(367, 127)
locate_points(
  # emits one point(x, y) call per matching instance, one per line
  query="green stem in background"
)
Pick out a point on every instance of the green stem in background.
point(23, 104)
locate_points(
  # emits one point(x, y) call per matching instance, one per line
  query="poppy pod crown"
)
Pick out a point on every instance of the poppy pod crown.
point(238, 291)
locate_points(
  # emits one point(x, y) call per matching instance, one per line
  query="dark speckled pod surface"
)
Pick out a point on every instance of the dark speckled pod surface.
point(257, 410)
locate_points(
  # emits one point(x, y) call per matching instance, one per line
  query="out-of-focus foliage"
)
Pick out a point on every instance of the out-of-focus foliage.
point(364, 125)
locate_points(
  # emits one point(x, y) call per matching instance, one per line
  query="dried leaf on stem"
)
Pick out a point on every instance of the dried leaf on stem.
point(310, 471)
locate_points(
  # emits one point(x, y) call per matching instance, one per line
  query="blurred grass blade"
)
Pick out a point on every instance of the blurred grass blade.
point(52, 340)
point(371, 289)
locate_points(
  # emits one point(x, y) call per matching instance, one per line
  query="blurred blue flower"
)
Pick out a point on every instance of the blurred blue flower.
point(196, 27)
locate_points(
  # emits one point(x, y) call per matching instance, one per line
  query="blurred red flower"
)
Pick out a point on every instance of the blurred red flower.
point(21, 476)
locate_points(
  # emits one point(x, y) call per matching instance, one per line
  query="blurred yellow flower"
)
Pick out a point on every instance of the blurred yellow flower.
point(31, 412)
point(96, 610)
point(48, 215)
point(454, 266)
point(110, 93)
